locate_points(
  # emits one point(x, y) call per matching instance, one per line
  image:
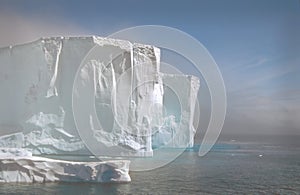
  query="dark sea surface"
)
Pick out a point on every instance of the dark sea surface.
point(263, 166)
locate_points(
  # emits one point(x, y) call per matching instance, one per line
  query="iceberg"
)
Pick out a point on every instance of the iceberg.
point(58, 97)
point(128, 90)
point(18, 165)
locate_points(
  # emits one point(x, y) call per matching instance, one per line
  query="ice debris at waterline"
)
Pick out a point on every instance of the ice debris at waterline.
point(49, 139)
point(121, 100)
point(18, 165)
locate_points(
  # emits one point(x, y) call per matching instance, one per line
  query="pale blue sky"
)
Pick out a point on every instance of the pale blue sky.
point(256, 44)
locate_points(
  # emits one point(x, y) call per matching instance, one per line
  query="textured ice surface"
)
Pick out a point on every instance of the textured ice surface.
point(186, 95)
point(28, 169)
point(49, 138)
point(36, 83)
point(14, 152)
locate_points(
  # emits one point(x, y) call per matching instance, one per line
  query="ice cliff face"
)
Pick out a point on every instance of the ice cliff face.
point(129, 93)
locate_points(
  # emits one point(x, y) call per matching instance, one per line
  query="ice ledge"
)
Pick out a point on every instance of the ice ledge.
point(97, 40)
point(29, 169)
point(101, 41)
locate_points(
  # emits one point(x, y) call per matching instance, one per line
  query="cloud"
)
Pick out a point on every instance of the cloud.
point(253, 63)
point(260, 73)
point(260, 100)
point(16, 28)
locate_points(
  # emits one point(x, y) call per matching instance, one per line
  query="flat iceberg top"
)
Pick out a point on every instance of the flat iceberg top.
point(98, 40)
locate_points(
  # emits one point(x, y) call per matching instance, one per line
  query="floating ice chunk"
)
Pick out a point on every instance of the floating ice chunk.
point(38, 169)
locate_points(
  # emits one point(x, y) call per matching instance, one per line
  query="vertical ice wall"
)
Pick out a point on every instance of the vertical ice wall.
point(39, 84)
point(187, 96)
point(36, 96)
point(179, 101)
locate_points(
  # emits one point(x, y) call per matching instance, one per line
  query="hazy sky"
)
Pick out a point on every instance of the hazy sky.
point(256, 44)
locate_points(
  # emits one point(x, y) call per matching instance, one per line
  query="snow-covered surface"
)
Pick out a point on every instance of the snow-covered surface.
point(36, 83)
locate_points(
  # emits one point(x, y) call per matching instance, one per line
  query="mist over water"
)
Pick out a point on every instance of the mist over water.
point(282, 140)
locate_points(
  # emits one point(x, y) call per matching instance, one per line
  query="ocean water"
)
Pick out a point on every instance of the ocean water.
point(232, 167)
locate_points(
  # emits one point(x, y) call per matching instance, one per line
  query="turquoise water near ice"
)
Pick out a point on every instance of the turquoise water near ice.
point(232, 167)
